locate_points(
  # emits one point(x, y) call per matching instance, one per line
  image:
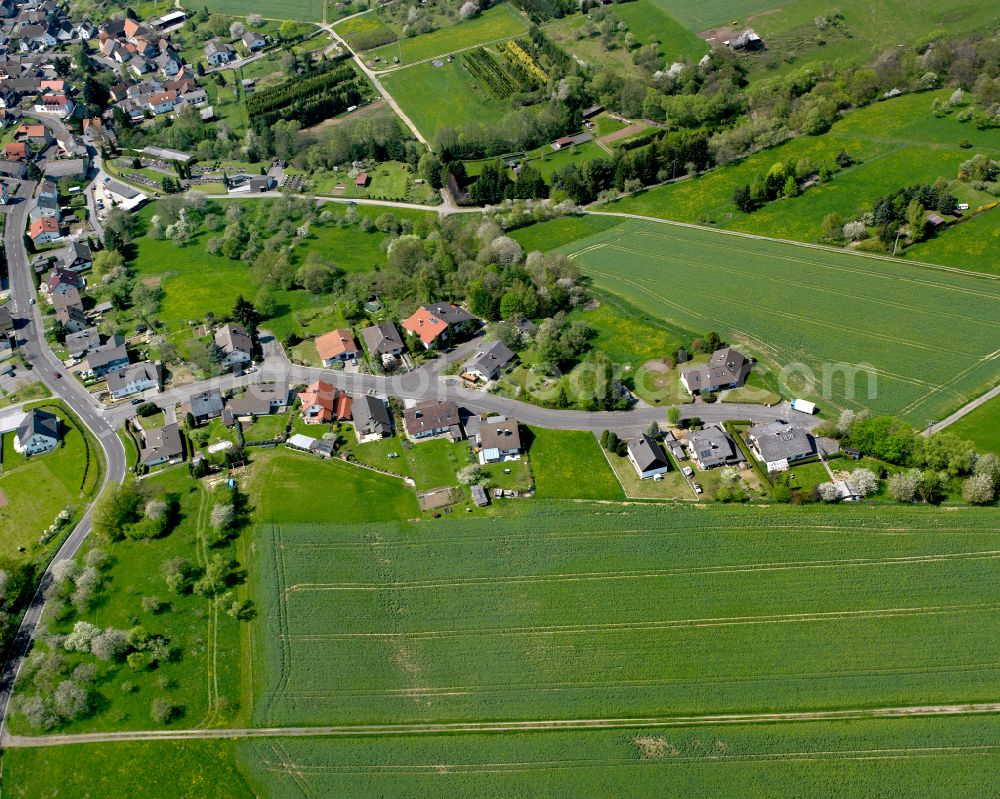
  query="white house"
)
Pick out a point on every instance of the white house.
point(647, 456)
point(217, 52)
point(236, 346)
point(133, 379)
point(37, 433)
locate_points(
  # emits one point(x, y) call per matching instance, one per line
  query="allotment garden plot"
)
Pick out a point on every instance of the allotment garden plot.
point(930, 338)
point(593, 611)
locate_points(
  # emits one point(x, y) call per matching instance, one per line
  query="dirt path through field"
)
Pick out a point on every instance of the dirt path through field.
point(541, 725)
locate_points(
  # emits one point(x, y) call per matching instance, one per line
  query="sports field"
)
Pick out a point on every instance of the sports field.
point(299, 10)
point(582, 611)
point(924, 340)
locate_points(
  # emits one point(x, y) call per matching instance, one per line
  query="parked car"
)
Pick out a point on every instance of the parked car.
point(137, 401)
point(697, 488)
point(687, 471)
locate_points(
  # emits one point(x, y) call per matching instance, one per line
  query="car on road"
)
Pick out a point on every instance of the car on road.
point(251, 370)
point(137, 401)
point(31, 301)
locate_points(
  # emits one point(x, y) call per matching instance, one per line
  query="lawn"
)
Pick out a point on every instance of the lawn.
point(34, 491)
point(846, 330)
point(894, 143)
point(545, 236)
point(699, 16)
point(299, 488)
point(203, 675)
point(499, 22)
point(445, 96)
point(194, 769)
point(29, 391)
point(569, 464)
point(973, 245)
point(672, 486)
point(982, 427)
point(691, 610)
point(304, 10)
point(266, 427)
point(433, 464)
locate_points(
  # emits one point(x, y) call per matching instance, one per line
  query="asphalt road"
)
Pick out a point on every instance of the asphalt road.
point(47, 368)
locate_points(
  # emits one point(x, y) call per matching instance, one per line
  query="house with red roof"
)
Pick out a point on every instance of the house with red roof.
point(45, 229)
point(55, 103)
point(16, 151)
point(337, 346)
point(323, 403)
point(435, 324)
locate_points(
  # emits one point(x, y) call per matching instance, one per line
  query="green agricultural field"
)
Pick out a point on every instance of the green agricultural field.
point(948, 758)
point(194, 769)
point(896, 143)
point(982, 427)
point(445, 96)
point(499, 22)
point(973, 245)
point(300, 10)
point(34, 491)
point(701, 15)
point(549, 235)
point(362, 25)
point(686, 611)
point(920, 341)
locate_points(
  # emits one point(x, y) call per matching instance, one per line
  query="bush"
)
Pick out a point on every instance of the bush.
point(163, 711)
point(979, 489)
point(147, 409)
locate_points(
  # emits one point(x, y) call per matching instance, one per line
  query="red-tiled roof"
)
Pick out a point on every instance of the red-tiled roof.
point(335, 344)
point(424, 324)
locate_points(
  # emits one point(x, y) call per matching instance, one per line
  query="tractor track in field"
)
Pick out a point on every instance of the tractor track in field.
point(528, 725)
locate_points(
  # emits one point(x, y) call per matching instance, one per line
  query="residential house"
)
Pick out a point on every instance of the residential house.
point(779, 444)
point(253, 41)
point(726, 368)
point(108, 357)
point(44, 230)
point(337, 346)
point(16, 151)
point(37, 433)
point(162, 445)
point(55, 103)
point(488, 363)
point(77, 257)
point(647, 456)
point(432, 418)
point(218, 52)
point(79, 344)
point(236, 346)
point(17, 169)
point(712, 447)
point(133, 379)
point(33, 133)
point(260, 399)
point(62, 281)
point(499, 440)
point(372, 419)
point(383, 341)
point(438, 323)
point(205, 405)
point(71, 317)
point(45, 205)
point(322, 403)
point(163, 102)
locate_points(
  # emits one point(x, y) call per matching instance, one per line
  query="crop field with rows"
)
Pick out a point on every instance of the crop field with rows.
point(928, 757)
point(921, 341)
point(590, 611)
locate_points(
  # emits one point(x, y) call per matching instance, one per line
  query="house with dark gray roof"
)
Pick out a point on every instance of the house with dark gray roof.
point(647, 456)
point(79, 344)
point(37, 433)
point(383, 340)
point(432, 418)
point(260, 399)
point(133, 379)
point(488, 363)
point(727, 368)
point(499, 439)
point(162, 445)
point(206, 405)
point(236, 346)
point(779, 444)
point(371, 417)
point(109, 356)
point(713, 447)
